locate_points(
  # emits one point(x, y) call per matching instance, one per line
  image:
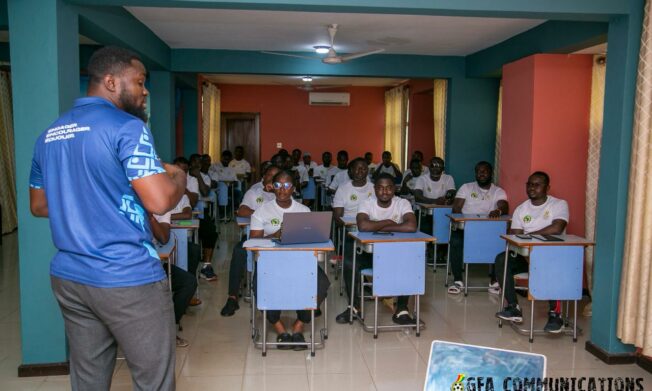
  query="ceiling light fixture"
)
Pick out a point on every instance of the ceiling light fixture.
point(322, 49)
point(306, 79)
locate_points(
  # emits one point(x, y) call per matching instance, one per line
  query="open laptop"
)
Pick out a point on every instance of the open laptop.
point(306, 227)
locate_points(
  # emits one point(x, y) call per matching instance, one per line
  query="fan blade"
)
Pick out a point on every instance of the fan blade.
point(352, 56)
point(291, 55)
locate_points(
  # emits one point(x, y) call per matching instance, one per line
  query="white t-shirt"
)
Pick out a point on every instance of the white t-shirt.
point(269, 216)
point(184, 202)
point(432, 189)
point(240, 167)
point(531, 218)
point(413, 180)
point(349, 197)
point(389, 170)
point(478, 200)
point(255, 197)
point(206, 178)
point(191, 184)
point(219, 173)
point(395, 211)
point(325, 173)
point(303, 172)
point(340, 178)
point(257, 186)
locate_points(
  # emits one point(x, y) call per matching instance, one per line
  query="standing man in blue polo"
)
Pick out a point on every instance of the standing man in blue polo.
point(96, 176)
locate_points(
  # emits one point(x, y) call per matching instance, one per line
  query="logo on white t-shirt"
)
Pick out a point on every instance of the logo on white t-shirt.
point(546, 214)
point(354, 197)
point(259, 200)
point(474, 195)
point(527, 218)
point(275, 222)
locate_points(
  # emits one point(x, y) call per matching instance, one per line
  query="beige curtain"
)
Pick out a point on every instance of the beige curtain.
point(210, 113)
point(395, 121)
point(7, 168)
point(499, 127)
point(635, 302)
point(593, 162)
point(440, 94)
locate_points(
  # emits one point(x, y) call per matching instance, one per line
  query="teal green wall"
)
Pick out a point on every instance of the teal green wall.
point(190, 121)
point(471, 125)
point(45, 81)
point(162, 118)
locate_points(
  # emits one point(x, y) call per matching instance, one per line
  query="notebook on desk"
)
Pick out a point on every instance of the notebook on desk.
point(306, 227)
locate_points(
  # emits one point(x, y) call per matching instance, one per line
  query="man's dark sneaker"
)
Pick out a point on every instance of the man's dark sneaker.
point(207, 273)
point(285, 337)
point(346, 315)
point(555, 323)
point(511, 313)
point(230, 307)
point(403, 318)
point(298, 337)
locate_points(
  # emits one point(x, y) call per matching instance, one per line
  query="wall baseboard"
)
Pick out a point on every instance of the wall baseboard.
point(50, 369)
point(608, 358)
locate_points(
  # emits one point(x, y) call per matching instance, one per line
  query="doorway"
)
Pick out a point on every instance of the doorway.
point(243, 129)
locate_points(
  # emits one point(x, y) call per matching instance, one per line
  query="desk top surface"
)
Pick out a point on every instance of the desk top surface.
point(184, 224)
point(165, 250)
point(242, 221)
point(432, 206)
point(568, 240)
point(371, 237)
point(348, 221)
point(324, 246)
point(459, 217)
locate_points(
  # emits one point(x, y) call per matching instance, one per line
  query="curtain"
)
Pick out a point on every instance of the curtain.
point(635, 301)
point(7, 168)
point(210, 114)
point(440, 94)
point(395, 121)
point(499, 127)
point(593, 163)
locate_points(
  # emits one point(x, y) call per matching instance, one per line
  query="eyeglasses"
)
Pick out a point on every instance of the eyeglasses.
point(282, 185)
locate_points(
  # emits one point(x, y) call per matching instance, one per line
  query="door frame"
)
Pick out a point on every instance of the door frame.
point(224, 116)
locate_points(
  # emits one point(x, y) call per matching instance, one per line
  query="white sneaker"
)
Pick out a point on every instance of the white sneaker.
point(494, 288)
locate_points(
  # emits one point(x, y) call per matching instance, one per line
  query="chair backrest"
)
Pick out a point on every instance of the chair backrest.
point(441, 224)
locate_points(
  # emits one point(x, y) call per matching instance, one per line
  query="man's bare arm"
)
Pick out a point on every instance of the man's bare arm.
point(38, 202)
point(161, 192)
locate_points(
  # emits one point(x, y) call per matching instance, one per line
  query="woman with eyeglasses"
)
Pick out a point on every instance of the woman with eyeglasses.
point(267, 222)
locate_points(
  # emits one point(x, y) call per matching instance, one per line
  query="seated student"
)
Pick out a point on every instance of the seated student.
point(387, 213)
point(369, 158)
point(240, 166)
point(184, 283)
point(307, 175)
point(540, 214)
point(253, 199)
point(410, 177)
point(419, 155)
point(325, 172)
point(278, 160)
point(479, 197)
point(342, 175)
point(192, 187)
point(388, 167)
point(221, 172)
point(435, 187)
point(266, 222)
point(207, 229)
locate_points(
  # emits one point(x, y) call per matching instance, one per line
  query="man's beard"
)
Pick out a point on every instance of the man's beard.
point(130, 106)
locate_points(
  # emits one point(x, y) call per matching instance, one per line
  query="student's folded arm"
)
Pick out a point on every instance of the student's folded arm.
point(365, 224)
point(516, 231)
point(338, 212)
point(256, 234)
point(38, 202)
point(555, 228)
point(409, 224)
point(186, 214)
point(419, 197)
point(244, 211)
point(193, 197)
point(160, 231)
point(458, 204)
point(161, 192)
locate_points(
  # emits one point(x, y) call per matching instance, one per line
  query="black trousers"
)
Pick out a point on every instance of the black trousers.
point(237, 268)
point(184, 285)
point(362, 261)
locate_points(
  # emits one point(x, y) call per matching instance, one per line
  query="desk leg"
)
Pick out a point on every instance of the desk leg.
point(419, 221)
point(532, 322)
point(340, 264)
point(312, 333)
point(434, 256)
point(418, 315)
point(575, 322)
point(264, 333)
point(233, 201)
point(448, 253)
point(352, 284)
point(502, 291)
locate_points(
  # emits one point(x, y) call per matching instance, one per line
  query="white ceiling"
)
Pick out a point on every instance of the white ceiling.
point(296, 80)
point(300, 31)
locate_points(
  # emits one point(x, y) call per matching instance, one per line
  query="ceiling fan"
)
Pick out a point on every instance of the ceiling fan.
point(331, 57)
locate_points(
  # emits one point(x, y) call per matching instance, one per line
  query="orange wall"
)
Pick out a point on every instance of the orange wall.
point(546, 103)
point(421, 136)
point(286, 117)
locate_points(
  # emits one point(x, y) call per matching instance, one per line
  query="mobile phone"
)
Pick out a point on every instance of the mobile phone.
point(523, 236)
point(383, 233)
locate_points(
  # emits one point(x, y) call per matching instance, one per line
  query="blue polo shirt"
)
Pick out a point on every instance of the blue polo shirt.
point(85, 161)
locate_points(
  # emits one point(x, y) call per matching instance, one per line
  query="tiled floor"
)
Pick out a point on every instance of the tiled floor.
point(221, 355)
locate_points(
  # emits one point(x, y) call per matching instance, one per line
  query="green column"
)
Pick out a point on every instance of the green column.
point(470, 125)
point(162, 112)
point(45, 81)
point(620, 85)
point(190, 133)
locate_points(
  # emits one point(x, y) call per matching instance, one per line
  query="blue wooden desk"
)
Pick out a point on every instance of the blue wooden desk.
point(167, 253)
point(182, 230)
point(407, 250)
point(349, 224)
point(287, 280)
point(556, 272)
point(482, 241)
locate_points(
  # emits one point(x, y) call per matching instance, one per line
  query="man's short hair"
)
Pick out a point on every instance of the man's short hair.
point(226, 152)
point(355, 161)
point(195, 156)
point(486, 164)
point(282, 173)
point(269, 168)
point(541, 174)
point(109, 60)
point(385, 175)
point(180, 159)
point(343, 153)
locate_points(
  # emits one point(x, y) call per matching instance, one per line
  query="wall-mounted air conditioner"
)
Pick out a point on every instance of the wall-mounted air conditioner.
point(329, 98)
